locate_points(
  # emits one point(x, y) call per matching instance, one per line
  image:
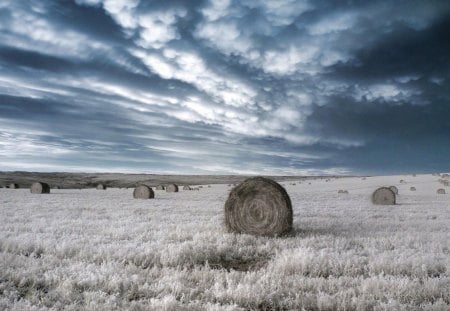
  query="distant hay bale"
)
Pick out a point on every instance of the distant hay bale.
point(160, 187)
point(13, 186)
point(394, 189)
point(200, 186)
point(187, 188)
point(143, 192)
point(383, 196)
point(40, 187)
point(259, 206)
point(402, 181)
point(444, 182)
point(412, 188)
point(364, 178)
point(101, 187)
point(172, 188)
point(342, 191)
point(440, 191)
point(209, 186)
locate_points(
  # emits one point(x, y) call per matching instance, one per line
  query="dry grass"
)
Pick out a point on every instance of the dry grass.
point(95, 250)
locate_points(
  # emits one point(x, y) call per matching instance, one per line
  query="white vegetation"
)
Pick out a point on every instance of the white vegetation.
point(103, 250)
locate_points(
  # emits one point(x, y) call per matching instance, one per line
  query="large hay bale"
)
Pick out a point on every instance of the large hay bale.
point(101, 187)
point(186, 187)
point(13, 186)
point(412, 188)
point(40, 187)
point(160, 187)
point(394, 189)
point(383, 196)
point(259, 206)
point(440, 191)
point(172, 188)
point(143, 192)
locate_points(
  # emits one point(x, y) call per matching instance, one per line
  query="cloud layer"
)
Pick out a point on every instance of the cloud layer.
point(253, 87)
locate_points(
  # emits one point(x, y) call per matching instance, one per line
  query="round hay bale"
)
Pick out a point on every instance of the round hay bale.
point(172, 188)
point(200, 186)
point(440, 191)
point(160, 187)
point(394, 189)
point(412, 188)
point(343, 192)
point(13, 186)
point(143, 192)
point(40, 187)
point(383, 196)
point(101, 187)
point(187, 188)
point(446, 183)
point(259, 206)
point(209, 186)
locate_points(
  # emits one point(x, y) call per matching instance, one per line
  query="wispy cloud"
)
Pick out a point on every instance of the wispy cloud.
point(270, 87)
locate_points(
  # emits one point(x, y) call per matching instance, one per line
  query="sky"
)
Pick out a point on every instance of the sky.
point(279, 87)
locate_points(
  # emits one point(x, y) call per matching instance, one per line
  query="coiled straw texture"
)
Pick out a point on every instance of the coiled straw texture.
point(259, 206)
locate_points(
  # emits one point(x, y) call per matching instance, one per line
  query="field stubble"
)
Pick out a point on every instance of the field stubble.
point(86, 249)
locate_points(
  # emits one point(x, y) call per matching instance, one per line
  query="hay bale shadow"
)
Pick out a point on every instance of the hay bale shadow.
point(237, 264)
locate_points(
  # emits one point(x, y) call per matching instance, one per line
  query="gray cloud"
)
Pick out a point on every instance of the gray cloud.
point(272, 87)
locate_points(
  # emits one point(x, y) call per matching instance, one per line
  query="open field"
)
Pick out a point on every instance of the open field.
point(103, 250)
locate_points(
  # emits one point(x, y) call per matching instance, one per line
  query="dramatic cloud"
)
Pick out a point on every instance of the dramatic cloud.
point(253, 86)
